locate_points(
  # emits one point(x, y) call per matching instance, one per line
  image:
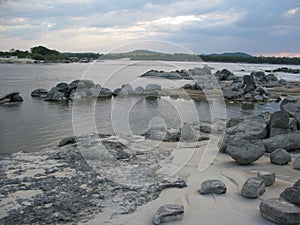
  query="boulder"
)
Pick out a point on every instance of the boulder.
point(280, 211)
point(188, 133)
point(253, 188)
point(292, 194)
point(271, 77)
point(245, 152)
point(248, 83)
point(292, 125)
point(62, 87)
point(290, 141)
point(161, 74)
point(116, 91)
point(279, 123)
point(139, 90)
point(230, 94)
point(152, 87)
point(37, 93)
point(126, 90)
point(12, 97)
point(267, 177)
point(67, 141)
point(168, 213)
point(296, 163)
point(280, 157)
point(259, 75)
point(213, 186)
point(225, 74)
point(105, 93)
point(94, 91)
point(54, 95)
point(293, 109)
point(80, 84)
point(205, 129)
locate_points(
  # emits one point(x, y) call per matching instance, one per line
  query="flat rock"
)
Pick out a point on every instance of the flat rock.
point(280, 157)
point(269, 178)
point(168, 213)
point(280, 212)
point(253, 188)
point(292, 194)
point(213, 186)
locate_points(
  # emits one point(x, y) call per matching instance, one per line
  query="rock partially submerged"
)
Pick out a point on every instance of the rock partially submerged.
point(11, 98)
point(167, 213)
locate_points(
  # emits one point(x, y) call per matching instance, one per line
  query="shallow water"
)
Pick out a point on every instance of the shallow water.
point(35, 125)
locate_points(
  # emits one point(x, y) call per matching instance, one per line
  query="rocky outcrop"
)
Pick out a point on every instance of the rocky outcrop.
point(11, 98)
point(253, 188)
point(212, 187)
point(167, 213)
point(280, 157)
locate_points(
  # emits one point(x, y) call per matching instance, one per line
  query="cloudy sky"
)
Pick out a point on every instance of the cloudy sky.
point(268, 27)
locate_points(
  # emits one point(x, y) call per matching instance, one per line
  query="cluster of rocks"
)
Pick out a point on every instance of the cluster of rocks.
point(283, 210)
point(286, 70)
point(11, 98)
point(79, 89)
point(249, 138)
point(68, 190)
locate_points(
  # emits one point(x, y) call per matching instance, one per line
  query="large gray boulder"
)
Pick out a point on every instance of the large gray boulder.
point(126, 90)
point(292, 194)
point(249, 83)
point(54, 96)
point(293, 109)
point(280, 157)
point(253, 188)
point(279, 123)
point(12, 97)
point(290, 141)
point(105, 93)
point(296, 163)
point(245, 152)
point(152, 87)
point(168, 213)
point(62, 87)
point(213, 186)
point(280, 211)
point(225, 75)
point(139, 90)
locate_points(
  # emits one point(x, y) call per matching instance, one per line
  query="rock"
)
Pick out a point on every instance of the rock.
point(230, 94)
point(271, 77)
point(12, 97)
point(54, 95)
point(289, 99)
point(248, 96)
point(279, 123)
point(292, 125)
point(152, 87)
point(293, 109)
point(167, 75)
point(205, 129)
point(290, 141)
point(262, 91)
point(213, 186)
point(258, 98)
point(280, 212)
point(126, 90)
point(259, 75)
point(248, 83)
point(268, 178)
point(94, 91)
point(292, 194)
point(253, 188)
point(105, 93)
point(81, 84)
point(37, 93)
point(245, 152)
point(168, 213)
point(138, 90)
point(296, 163)
point(67, 141)
point(156, 133)
point(62, 87)
point(225, 74)
point(188, 133)
point(116, 91)
point(280, 157)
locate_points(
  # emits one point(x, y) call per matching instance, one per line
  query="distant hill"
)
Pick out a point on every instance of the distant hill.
point(232, 54)
point(150, 55)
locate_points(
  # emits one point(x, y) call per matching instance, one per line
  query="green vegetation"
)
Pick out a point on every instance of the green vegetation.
point(238, 58)
point(42, 53)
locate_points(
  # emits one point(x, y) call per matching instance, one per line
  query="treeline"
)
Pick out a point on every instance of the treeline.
point(251, 59)
point(42, 53)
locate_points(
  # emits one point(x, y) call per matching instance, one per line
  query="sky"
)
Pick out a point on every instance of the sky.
point(258, 27)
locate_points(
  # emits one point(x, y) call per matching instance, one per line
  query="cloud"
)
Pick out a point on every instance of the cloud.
point(215, 25)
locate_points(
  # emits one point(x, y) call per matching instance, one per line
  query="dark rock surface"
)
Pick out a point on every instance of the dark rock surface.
point(67, 141)
point(280, 157)
point(213, 186)
point(279, 123)
point(280, 211)
point(40, 92)
point(167, 213)
point(267, 177)
point(292, 194)
point(11, 98)
point(253, 188)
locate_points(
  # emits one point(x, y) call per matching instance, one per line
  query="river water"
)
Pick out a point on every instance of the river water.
point(35, 125)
